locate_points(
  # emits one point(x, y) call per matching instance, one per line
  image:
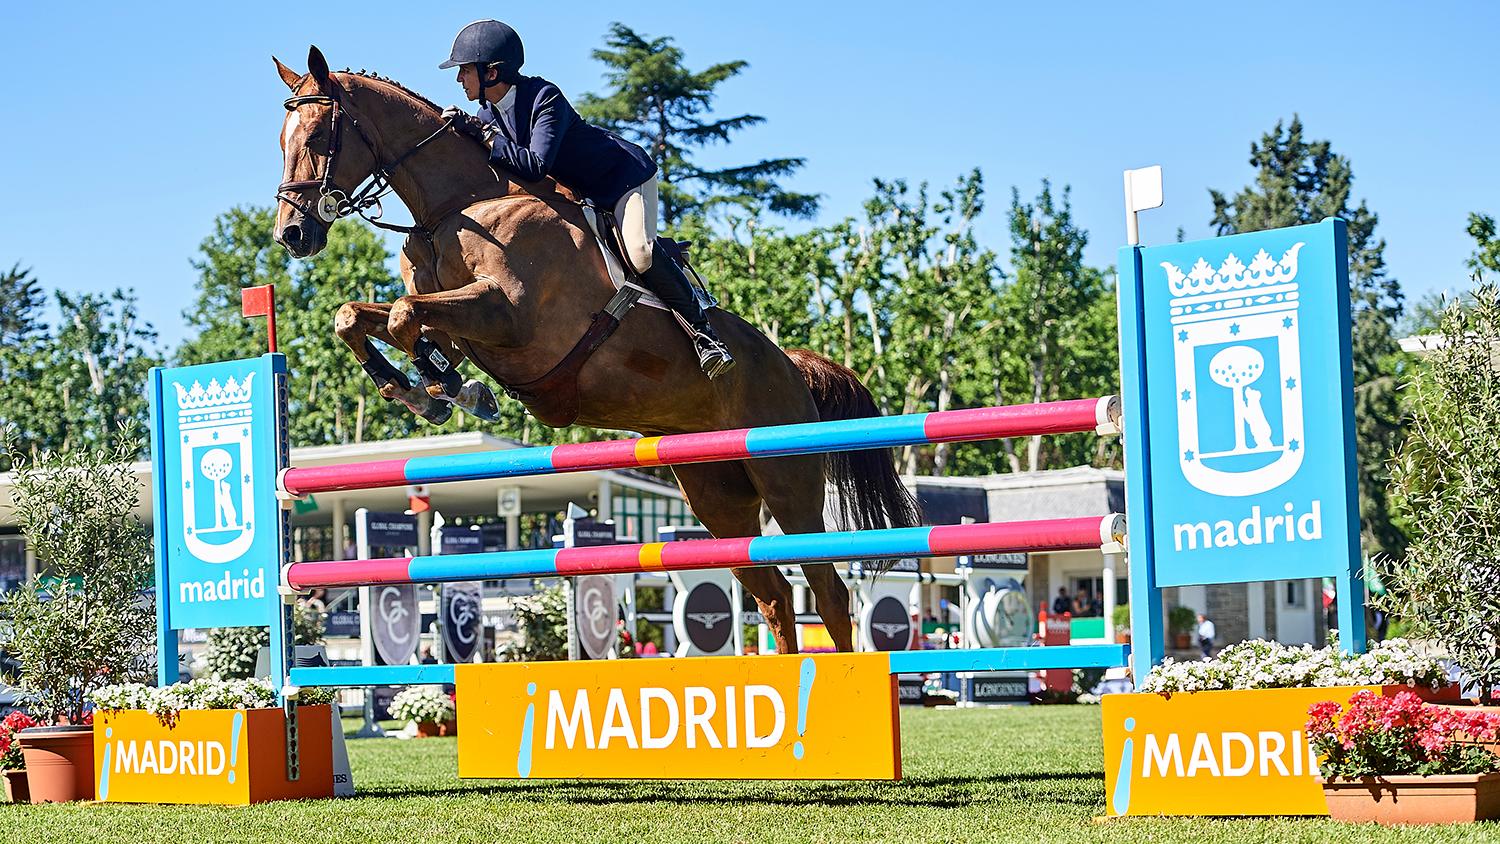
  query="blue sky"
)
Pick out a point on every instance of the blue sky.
point(131, 125)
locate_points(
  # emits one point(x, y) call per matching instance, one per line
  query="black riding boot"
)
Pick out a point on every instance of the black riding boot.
point(671, 285)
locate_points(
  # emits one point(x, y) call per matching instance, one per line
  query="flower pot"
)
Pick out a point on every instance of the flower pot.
point(59, 763)
point(1456, 798)
point(15, 786)
point(433, 729)
point(1182, 641)
point(230, 757)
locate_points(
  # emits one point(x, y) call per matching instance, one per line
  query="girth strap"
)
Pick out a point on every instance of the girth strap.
point(553, 398)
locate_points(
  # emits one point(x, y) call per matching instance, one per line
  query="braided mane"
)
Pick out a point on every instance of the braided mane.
point(375, 77)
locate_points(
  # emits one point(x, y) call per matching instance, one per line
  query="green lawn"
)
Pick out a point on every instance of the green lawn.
point(1032, 775)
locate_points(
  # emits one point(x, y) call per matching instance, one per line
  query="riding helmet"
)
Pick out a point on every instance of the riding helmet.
point(488, 42)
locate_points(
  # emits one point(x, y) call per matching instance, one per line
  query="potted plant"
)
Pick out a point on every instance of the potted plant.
point(1394, 760)
point(12, 762)
point(1121, 622)
point(1444, 487)
point(87, 619)
point(1180, 622)
point(426, 706)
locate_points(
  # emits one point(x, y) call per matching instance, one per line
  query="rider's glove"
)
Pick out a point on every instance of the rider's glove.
point(466, 124)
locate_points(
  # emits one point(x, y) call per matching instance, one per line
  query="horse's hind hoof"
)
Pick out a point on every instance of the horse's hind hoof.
point(437, 412)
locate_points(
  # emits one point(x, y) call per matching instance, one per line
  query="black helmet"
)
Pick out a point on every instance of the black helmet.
point(488, 42)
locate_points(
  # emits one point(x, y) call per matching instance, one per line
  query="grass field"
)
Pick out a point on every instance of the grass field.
point(1031, 775)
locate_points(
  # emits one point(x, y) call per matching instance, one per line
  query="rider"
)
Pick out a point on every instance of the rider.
point(533, 131)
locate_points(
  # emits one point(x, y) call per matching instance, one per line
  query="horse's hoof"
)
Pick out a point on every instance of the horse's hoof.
point(437, 412)
point(479, 401)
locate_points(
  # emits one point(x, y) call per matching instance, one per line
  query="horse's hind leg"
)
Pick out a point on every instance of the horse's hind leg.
point(725, 501)
point(793, 491)
point(357, 322)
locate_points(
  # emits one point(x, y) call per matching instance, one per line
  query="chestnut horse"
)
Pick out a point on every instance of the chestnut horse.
point(508, 276)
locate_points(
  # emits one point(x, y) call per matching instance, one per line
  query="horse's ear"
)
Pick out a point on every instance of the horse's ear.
point(291, 77)
point(318, 67)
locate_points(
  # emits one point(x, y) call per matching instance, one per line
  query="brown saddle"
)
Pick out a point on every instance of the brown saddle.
point(553, 398)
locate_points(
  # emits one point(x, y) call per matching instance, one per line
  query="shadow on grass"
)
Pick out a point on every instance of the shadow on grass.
point(1071, 788)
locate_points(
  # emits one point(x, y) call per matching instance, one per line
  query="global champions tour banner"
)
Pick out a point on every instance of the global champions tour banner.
point(215, 474)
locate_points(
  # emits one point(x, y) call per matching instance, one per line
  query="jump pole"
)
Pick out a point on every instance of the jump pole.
point(943, 540)
point(1097, 415)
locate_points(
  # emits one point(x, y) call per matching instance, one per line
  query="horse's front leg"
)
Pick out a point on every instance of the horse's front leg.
point(422, 323)
point(356, 323)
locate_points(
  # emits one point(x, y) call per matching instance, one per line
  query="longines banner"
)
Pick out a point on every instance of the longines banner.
point(1251, 452)
point(217, 494)
point(1213, 753)
point(831, 716)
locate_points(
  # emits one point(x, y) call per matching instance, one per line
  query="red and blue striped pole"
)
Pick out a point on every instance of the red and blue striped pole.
point(944, 540)
point(1062, 417)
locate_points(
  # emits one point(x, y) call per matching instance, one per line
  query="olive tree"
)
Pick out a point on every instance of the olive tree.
point(87, 620)
point(1446, 486)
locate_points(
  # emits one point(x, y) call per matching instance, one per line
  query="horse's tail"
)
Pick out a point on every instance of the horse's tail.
point(869, 492)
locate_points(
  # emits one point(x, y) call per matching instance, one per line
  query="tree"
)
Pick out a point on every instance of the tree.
point(23, 354)
point(1447, 585)
point(1486, 244)
point(1298, 181)
point(95, 369)
point(658, 103)
point(1060, 338)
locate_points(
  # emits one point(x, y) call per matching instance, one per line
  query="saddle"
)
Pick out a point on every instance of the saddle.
point(553, 398)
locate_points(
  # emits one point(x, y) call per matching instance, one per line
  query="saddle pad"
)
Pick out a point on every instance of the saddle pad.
point(617, 275)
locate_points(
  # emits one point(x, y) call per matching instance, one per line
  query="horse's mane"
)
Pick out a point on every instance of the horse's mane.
point(372, 76)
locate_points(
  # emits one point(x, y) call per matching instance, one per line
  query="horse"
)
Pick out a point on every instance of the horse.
point(508, 275)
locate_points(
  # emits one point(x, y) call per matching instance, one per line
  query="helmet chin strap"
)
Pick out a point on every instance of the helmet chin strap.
point(482, 71)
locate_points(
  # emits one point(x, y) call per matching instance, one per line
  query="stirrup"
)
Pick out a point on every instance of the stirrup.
point(713, 356)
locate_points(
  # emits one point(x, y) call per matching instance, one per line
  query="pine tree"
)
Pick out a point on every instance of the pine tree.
point(1298, 181)
point(655, 101)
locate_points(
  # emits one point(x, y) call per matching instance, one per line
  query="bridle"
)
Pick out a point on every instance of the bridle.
point(333, 204)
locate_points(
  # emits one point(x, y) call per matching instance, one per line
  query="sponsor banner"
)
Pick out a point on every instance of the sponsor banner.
point(1000, 562)
point(886, 621)
point(460, 540)
point(461, 619)
point(395, 622)
point(596, 611)
point(995, 687)
point(1251, 414)
point(1213, 753)
point(391, 530)
point(762, 717)
point(216, 463)
point(702, 613)
point(220, 756)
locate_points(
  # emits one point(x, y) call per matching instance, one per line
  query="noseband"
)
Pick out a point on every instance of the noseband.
point(333, 204)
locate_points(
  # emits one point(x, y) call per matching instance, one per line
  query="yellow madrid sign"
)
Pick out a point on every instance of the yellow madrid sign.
point(831, 716)
point(1213, 753)
point(224, 756)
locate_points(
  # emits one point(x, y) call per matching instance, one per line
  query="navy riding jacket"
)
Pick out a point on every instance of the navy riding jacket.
point(542, 135)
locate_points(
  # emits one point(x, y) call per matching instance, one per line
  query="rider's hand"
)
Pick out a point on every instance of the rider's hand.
point(465, 123)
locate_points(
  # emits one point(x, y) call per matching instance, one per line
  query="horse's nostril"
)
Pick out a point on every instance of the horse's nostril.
point(292, 235)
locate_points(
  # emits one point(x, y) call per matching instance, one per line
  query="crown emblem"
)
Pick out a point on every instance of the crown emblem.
point(215, 404)
point(1233, 286)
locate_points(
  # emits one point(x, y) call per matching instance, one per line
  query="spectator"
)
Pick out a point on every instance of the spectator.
point(1061, 604)
point(427, 657)
point(1206, 635)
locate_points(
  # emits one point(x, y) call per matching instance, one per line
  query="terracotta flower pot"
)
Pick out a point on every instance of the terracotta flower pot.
point(1456, 798)
point(59, 763)
point(433, 729)
point(15, 786)
point(1182, 641)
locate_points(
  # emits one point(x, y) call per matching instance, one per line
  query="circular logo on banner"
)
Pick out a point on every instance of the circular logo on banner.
point(710, 620)
point(461, 620)
point(596, 609)
point(890, 625)
point(396, 623)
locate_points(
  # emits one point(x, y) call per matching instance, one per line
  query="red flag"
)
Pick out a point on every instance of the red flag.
point(261, 301)
point(258, 301)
